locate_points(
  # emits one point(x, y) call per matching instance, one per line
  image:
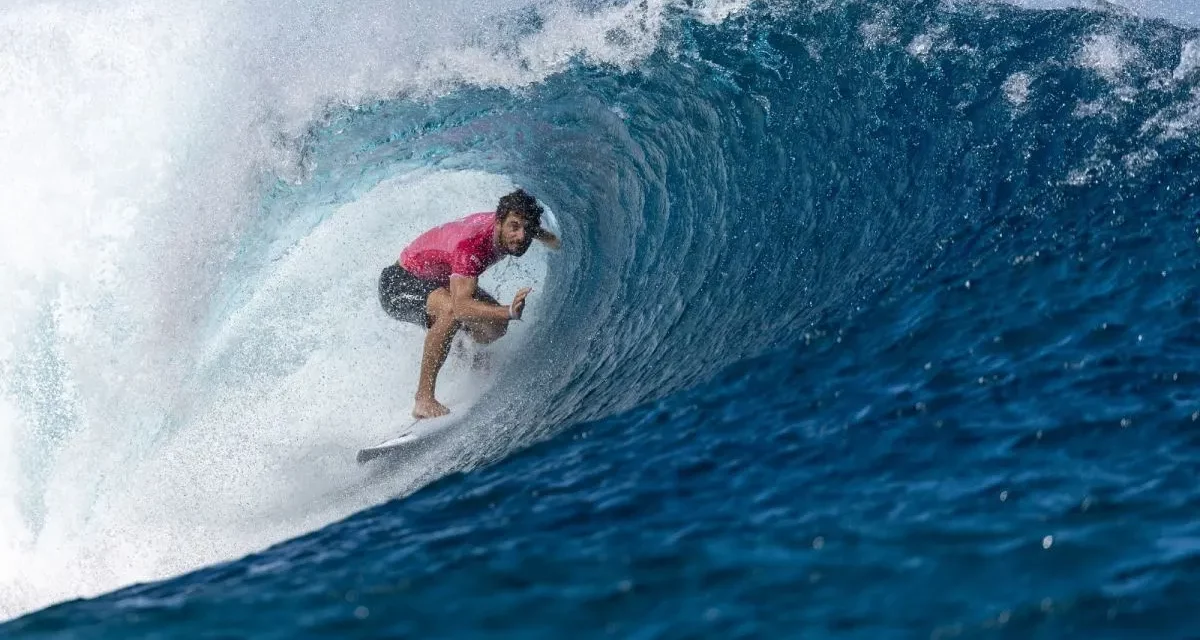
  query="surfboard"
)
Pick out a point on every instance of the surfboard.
point(411, 435)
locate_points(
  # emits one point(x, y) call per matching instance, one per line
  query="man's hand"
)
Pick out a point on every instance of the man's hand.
point(518, 304)
point(549, 239)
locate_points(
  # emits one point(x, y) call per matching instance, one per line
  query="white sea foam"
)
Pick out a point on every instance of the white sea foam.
point(1181, 12)
point(139, 439)
point(1107, 55)
point(1016, 88)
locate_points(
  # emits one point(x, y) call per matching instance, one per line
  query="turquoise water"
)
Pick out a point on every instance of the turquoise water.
point(873, 321)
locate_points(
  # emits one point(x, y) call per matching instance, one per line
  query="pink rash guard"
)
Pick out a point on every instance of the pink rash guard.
point(463, 248)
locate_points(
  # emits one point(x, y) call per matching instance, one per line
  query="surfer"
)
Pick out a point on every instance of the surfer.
point(435, 283)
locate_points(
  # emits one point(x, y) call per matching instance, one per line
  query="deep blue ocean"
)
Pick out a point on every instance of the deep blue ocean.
point(874, 320)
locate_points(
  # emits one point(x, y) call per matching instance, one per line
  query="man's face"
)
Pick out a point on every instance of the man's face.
point(515, 234)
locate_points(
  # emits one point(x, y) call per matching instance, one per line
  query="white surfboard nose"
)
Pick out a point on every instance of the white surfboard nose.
point(416, 431)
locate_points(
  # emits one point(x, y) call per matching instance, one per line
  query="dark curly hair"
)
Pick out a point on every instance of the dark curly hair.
point(522, 204)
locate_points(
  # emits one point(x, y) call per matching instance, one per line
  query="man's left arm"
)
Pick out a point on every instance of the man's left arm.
point(548, 238)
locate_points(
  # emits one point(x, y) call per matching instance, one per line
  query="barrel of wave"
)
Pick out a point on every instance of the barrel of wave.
point(291, 381)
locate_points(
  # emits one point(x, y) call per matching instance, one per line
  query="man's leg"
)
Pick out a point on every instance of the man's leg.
point(482, 331)
point(437, 345)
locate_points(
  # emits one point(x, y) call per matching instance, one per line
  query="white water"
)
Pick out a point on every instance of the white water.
point(256, 442)
point(1180, 12)
point(137, 439)
point(142, 431)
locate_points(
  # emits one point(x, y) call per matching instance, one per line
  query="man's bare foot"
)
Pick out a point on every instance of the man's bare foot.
point(429, 408)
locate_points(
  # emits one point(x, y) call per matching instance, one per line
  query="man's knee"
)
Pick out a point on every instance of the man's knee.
point(440, 309)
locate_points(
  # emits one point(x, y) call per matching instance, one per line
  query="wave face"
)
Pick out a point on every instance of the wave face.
point(872, 321)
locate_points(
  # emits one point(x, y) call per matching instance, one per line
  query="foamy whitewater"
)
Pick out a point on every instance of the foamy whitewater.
point(783, 221)
point(139, 436)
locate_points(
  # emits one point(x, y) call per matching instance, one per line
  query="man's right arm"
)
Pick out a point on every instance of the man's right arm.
point(467, 307)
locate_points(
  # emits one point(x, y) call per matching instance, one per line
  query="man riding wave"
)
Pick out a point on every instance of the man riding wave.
point(435, 283)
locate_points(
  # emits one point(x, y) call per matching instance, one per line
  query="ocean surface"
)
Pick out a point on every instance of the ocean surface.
point(873, 319)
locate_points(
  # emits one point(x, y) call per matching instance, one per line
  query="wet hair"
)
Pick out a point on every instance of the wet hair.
point(522, 204)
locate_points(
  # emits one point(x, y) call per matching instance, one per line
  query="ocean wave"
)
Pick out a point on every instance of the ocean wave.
point(735, 183)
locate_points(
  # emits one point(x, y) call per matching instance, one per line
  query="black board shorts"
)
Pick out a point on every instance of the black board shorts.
point(403, 295)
